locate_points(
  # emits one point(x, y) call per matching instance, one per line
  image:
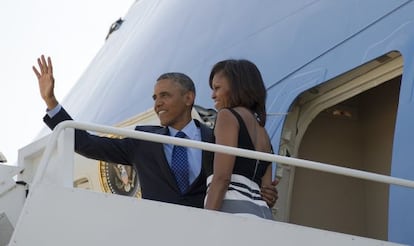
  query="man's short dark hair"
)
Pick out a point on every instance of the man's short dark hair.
point(185, 81)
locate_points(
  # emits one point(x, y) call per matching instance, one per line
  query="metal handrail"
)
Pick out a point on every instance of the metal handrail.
point(214, 148)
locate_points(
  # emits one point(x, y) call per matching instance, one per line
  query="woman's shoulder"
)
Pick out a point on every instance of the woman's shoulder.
point(237, 111)
point(229, 114)
point(227, 117)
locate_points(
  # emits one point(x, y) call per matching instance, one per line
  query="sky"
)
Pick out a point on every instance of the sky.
point(71, 32)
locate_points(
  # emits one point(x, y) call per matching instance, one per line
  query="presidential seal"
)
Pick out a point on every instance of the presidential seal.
point(119, 179)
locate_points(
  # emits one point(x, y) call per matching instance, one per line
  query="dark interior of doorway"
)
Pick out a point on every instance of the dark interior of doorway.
point(356, 133)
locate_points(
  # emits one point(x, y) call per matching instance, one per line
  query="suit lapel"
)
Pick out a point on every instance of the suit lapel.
point(163, 163)
point(206, 156)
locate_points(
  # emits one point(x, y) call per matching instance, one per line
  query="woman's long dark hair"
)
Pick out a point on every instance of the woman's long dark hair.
point(246, 83)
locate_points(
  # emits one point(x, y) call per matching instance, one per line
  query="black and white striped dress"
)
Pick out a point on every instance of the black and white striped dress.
point(243, 195)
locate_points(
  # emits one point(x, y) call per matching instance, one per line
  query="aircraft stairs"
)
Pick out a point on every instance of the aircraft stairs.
point(53, 212)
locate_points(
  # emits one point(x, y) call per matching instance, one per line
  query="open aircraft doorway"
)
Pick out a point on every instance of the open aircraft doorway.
point(347, 121)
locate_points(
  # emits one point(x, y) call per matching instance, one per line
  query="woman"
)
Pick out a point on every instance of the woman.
point(234, 182)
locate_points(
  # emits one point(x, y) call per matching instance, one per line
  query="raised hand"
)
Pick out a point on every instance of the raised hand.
point(46, 81)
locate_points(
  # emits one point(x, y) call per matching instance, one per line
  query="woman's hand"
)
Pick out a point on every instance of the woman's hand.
point(269, 193)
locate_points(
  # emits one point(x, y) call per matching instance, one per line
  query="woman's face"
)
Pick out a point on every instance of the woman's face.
point(221, 91)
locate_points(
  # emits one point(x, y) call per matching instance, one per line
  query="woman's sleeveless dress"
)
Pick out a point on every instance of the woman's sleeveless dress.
point(243, 195)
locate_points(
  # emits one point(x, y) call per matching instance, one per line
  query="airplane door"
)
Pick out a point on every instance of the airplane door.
point(348, 121)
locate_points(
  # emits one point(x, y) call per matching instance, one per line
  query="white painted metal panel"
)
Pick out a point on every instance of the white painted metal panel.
point(65, 216)
point(12, 195)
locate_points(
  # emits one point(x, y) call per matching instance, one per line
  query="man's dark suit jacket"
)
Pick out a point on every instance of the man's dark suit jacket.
point(155, 176)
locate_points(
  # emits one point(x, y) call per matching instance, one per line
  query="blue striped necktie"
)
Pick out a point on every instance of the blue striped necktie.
point(179, 164)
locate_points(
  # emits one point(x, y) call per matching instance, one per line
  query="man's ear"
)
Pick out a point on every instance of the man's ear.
point(189, 98)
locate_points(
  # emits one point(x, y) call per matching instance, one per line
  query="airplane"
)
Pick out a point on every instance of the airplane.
point(2, 158)
point(339, 77)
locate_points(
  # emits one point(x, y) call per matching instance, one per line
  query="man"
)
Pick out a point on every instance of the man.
point(174, 95)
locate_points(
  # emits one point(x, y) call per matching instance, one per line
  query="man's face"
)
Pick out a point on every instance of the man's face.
point(172, 103)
